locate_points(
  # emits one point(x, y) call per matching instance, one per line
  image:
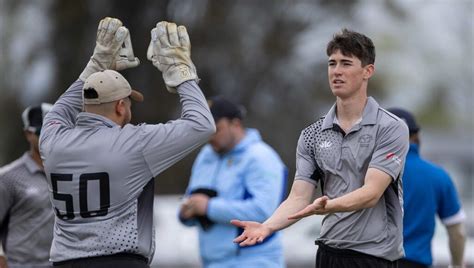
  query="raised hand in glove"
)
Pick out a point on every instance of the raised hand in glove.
point(113, 49)
point(170, 52)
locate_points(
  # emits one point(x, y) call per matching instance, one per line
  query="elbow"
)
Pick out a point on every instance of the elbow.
point(457, 232)
point(371, 201)
point(208, 129)
point(211, 128)
point(204, 128)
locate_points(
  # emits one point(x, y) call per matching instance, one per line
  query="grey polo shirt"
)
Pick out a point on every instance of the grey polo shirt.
point(26, 215)
point(339, 162)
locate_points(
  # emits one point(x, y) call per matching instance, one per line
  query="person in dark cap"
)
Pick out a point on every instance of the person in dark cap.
point(236, 175)
point(429, 187)
point(26, 216)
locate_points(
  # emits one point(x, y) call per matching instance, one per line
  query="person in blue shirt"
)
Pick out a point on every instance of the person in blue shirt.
point(427, 191)
point(236, 175)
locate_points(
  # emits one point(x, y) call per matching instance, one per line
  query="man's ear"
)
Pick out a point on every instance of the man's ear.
point(369, 70)
point(236, 122)
point(120, 107)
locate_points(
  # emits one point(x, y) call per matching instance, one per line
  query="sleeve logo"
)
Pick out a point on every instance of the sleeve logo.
point(394, 158)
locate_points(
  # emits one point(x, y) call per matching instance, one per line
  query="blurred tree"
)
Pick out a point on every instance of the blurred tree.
point(268, 56)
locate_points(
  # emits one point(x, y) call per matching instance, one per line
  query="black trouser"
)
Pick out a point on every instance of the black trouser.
point(328, 257)
point(404, 263)
point(120, 260)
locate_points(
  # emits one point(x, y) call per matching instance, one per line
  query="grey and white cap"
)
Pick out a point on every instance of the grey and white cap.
point(107, 86)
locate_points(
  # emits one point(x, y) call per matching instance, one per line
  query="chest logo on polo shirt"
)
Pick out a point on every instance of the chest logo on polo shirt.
point(365, 140)
point(325, 144)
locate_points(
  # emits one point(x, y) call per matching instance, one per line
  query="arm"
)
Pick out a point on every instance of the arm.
point(375, 183)
point(457, 241)
point(367, 196)
point(5, 204)
point(165, 144)
point(300, 195)
point(3, 260)
point(452, 216)
point(110, 37)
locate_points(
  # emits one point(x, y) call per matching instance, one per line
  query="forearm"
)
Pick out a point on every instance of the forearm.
point(279, 220)
point(457, 240)
point(3, 258)
point(361, 198)
point(195, 108)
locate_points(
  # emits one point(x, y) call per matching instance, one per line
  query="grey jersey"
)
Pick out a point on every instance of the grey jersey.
point(26, 217)
point(340, 162)
point(101, 175)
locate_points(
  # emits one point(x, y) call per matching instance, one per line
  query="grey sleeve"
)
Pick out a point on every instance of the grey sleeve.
point(166, 144)
point(64, 111)
point(391, 149)
point(306, 167)
point(6, 198)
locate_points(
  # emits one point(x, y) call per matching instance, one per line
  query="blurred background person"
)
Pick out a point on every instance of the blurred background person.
point(26, 216)
point(428, 191)
point(237, 175)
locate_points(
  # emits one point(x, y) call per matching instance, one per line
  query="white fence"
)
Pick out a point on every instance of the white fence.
point(177, 246)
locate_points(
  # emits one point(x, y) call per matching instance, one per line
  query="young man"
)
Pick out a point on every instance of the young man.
point(100, 168)
point(430, 187)
point(356, 153)
point(26, 218)
point(236, 175)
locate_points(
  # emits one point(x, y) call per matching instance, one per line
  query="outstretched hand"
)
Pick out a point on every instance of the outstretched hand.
point(318, 207)
point(254, 232)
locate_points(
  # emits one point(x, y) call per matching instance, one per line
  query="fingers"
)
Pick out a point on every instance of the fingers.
point(100, 29)
point(162, 32)
point(184, 37)
point(248, 241)
point(173, 34)
point(323, 200)
point(119, 37)
point(238, 223)
point(239, 239)
point(112, 25)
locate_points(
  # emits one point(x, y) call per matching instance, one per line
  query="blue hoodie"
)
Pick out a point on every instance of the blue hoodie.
point(250, 181)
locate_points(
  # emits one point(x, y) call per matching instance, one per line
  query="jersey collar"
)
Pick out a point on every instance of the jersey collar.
point(30, 163)
point(369, 116)
point(90, 119)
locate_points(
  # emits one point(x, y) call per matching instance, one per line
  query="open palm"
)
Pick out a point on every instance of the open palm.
point(254, 232)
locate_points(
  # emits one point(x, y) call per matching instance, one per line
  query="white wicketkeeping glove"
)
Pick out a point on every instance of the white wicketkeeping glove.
point(113, 49)
point(170, 52)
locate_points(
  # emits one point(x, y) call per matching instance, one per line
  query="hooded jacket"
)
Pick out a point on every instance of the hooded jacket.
point(250, 181)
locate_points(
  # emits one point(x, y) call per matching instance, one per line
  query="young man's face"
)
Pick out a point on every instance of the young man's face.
point(346, 74)
point(224, 139)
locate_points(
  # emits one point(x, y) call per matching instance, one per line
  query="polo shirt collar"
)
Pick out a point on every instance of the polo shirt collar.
point(369, 116)
point(31, 164)
point(93, 120)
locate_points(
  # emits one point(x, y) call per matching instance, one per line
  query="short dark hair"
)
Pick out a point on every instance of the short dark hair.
point(352, 43)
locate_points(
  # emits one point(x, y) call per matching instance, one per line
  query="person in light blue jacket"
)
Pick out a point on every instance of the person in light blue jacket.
point(236, 175)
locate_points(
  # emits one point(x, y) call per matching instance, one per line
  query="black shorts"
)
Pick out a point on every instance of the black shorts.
point(404, 263)
point(120, 260)
point(328, 257)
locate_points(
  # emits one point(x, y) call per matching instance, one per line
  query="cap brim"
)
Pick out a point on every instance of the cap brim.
point(136, 96)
